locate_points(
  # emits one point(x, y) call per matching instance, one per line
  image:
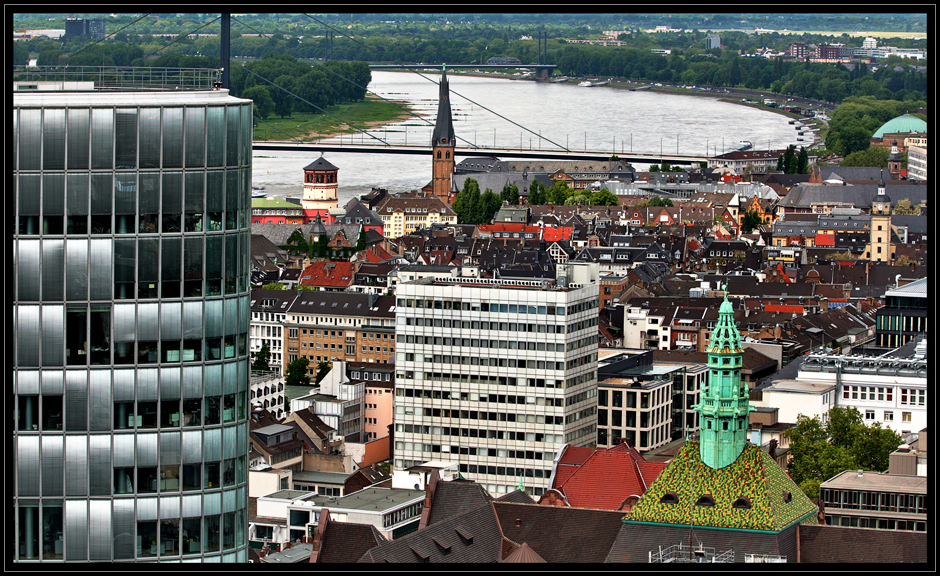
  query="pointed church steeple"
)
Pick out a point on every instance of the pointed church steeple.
point(723, 410)
point(444, 128)
point(442, 144)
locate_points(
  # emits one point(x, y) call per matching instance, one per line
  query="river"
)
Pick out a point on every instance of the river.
point(596, 118)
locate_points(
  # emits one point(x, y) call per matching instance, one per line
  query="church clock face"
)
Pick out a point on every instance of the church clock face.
point(443, 140)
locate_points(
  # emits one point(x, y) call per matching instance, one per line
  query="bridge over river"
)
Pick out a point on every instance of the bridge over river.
point(480, 151)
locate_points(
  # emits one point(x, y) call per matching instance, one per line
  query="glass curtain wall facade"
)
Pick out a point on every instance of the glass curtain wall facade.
point(131, 266)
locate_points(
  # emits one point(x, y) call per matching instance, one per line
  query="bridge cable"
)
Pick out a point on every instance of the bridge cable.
point(105, 38)
point(457, 93)
point(314, 105)
point(301, 99)
point(335, 73)
point(179, 37)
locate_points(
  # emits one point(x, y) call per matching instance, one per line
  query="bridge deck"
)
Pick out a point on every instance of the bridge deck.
point(655, 158)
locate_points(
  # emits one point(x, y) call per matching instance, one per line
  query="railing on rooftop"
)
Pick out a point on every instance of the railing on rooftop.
point(123, 77)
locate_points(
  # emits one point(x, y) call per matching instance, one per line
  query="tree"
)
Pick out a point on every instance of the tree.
point(658, 201)
point(273, 286)
point(876, 156)
point(361, 241)
point(536, 195)
point(262, 357)
point(750, 221)
point(904, 207)
point(490, 203)
point(467, 201)
point(802, 162)
point(510, 194)
point(296, 374)
point(323, 368)
point(604, 197)
point(820, 451)
point(283, 102)
point(264, 105)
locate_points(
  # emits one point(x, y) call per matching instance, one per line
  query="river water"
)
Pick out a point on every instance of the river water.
point(542, 115)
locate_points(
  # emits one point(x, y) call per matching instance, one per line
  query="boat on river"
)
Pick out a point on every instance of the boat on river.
point(585, 84)
point(258, 192)
point(560, 79)
point(604, 83)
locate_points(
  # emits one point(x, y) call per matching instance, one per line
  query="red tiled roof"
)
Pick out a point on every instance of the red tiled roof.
point(553, 234)
point(784, 308)
point(339, 274)
point(608, 477)
point(824, 240)
point(575, 455)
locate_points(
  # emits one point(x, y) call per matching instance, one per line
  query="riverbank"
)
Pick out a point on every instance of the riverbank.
point(370, 113)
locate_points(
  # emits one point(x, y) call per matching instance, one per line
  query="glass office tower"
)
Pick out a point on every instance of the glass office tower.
point(131, 250)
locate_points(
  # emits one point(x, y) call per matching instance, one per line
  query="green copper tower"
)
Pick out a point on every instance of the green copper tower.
point(724, 403)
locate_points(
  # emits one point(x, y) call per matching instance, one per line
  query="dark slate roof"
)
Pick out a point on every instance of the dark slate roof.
point(347, 542)
point(471, 537)
point(858, 195)
point(915, 224)
point(456, 497)
point(517, 496)
point(839, 544)
point(560, 534)
point(635, 541)
point(320, 164)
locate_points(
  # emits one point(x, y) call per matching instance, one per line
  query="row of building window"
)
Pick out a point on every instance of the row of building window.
point(56, 532)
point(617, 418)
point(480, 433)
point(879, 523)
point(881, 501)
point(131, 138)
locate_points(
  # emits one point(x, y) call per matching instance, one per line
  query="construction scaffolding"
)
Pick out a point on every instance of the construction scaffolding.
point(685, 554)
point(764, 559)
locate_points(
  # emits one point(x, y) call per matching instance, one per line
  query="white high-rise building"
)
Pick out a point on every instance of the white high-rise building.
point(496, 375)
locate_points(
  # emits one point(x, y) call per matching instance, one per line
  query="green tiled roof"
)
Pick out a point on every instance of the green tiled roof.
point(902, 124)
point(754, 475)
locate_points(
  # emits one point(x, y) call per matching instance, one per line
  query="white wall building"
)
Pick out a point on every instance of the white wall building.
point(337, 401)
point(888, 389)
point(497, 374)
point(267, 391)
point(268, 312)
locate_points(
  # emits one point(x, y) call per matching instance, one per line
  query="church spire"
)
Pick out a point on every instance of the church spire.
point(723, 410)
point(444, 128)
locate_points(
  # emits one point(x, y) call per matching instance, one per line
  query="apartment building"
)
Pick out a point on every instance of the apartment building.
point(268, 312)
point(496, 374)
point(406, 213)
point(328, 326)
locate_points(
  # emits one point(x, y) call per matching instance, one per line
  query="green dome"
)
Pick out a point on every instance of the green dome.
point(902, 125)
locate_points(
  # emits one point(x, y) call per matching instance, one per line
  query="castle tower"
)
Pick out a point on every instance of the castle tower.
point(320, 189)
point(724, 406)
point(880, 248)
point(442, 144)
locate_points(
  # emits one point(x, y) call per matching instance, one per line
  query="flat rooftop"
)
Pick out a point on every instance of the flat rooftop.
point(273, 429)
point(654, 370)
point(370, 499)
point(288, 494)
point(628, 383)
point(322, 477)
point(799, 387)
point(850, 480)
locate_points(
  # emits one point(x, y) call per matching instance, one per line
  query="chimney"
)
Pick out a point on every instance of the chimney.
point(265, 550)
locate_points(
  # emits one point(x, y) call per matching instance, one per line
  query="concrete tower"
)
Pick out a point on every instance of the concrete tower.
point(880, 248)
point(443, 143)
point(724, 407)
